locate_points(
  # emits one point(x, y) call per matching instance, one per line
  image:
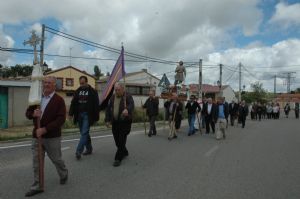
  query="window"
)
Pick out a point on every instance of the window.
point(138, 90)
point(133, 90)
point(59, 83)
point(69, 82)
point(145, 90)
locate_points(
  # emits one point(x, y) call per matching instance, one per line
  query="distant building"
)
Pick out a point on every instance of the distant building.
point(284, 98)
point(138, 84)
point(14, 102)
point(214, 91)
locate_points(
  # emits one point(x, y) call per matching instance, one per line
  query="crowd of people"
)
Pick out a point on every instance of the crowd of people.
point(271, 110)
point(49, 118)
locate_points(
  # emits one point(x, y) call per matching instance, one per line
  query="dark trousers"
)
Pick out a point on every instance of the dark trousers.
point(120, 131)
point(232, 118)
point(152, 129)
point(243, 120)
point(178, 121)
point(259, 116)
point(297, 114)
point(208, 123)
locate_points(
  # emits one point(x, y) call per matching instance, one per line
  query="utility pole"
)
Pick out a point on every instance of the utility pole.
point(289, 76)
point(42, 45)
point(200, 80)
point(275, 84)
point(240, 80)
point(220, 83)
point(71, 55)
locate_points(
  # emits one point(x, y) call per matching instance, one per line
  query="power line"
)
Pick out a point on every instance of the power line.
point(107, 48)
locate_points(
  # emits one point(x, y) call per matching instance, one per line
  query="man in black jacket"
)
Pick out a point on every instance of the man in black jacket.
point(151, 106)
point(243, 113)
point(193, 107)
point(85, 112)
point(119, 115)
point(210, 115)
point(233, 111)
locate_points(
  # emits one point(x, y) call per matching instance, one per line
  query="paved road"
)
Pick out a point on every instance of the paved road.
point(260, 161)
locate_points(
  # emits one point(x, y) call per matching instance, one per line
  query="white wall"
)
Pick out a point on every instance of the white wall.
point(229, 95)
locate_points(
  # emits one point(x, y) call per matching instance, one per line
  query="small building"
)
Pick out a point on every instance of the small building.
point(285, 98)
point(214, 91)
point(67, 81)
point(138, 84)
point(14, 102)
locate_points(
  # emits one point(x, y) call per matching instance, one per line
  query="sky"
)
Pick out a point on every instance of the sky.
point(262, 35)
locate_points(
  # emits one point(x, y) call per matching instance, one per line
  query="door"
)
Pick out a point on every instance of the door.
point(3, 107)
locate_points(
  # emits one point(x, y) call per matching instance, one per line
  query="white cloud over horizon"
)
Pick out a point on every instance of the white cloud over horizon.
point(173, 30)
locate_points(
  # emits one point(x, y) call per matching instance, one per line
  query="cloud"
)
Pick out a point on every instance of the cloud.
point(286, 15)
point(154, 27)
point(260, 63)
point(6, 42)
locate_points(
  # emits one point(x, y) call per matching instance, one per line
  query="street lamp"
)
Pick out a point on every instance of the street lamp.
point(44, 67)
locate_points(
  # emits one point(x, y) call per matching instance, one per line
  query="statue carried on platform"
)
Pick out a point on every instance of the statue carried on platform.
point(180, 73)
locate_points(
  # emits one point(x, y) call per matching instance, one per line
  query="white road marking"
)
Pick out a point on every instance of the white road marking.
point(65, 148)
point(18, 145)
point(208, 153)
point(14, 146)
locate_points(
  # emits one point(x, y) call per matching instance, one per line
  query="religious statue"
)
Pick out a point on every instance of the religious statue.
point(180, 73)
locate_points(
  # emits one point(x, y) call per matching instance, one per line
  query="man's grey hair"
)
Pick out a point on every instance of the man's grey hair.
point(52, 78)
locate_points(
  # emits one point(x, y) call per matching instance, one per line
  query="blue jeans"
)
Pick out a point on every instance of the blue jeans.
point(85, 139)
point(191, 119)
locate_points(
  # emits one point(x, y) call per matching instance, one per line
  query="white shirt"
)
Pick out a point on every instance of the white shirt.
point(209, 108)
point(45, 101)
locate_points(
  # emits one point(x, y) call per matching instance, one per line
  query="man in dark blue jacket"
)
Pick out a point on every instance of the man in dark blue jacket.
point(192, 107)
point(85, 111)
point(222, 113)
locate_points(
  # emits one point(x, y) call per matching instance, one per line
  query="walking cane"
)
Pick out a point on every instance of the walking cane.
point(172, 128)
point(144, 118)
point(40, 156)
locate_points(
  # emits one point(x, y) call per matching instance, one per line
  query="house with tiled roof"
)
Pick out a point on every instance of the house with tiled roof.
point(214, 91)
point(138, 84)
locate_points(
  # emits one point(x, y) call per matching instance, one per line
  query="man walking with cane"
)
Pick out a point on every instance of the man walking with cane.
point(151, 106)
point(53, 115)
point(193, 108)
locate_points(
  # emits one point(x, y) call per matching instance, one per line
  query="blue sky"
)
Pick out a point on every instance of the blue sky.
point(255, 33)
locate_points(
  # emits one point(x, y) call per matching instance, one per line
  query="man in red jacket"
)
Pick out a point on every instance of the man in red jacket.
point(53, 114)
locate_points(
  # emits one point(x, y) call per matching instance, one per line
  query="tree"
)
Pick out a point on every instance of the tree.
point(17, 70)
point(258, 94)
point(297, 90)
point(97, 72)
